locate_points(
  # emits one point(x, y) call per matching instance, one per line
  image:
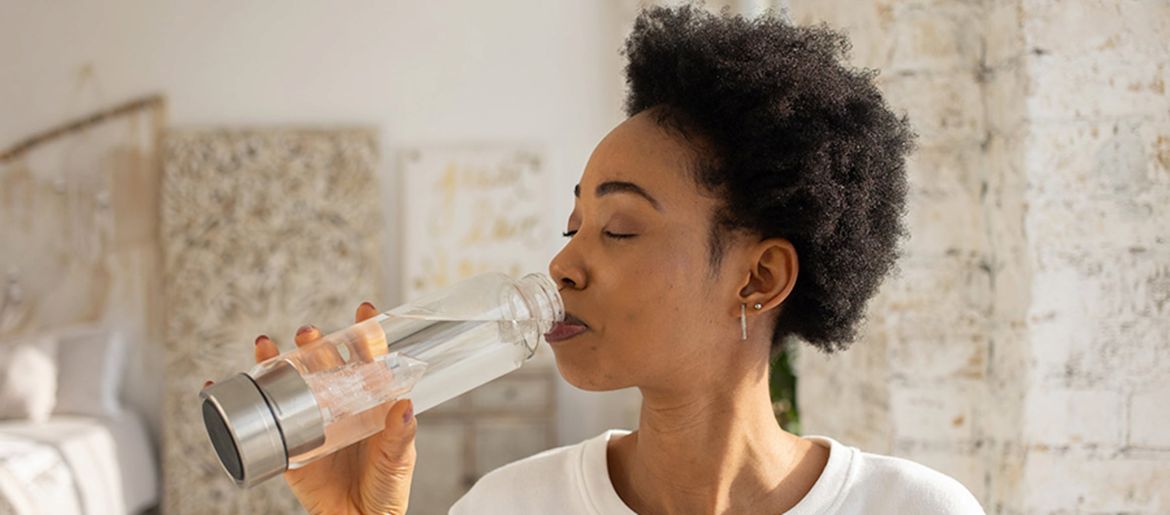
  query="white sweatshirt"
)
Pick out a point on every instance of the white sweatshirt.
point(574, 480)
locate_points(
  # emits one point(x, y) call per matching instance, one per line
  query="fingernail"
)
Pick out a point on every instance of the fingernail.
point(408, 414)
point(304, 329)
point(261, 338)
point(208, 383)
point(368, 304)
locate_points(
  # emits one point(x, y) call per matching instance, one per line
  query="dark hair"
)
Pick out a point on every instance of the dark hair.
point(794, 143)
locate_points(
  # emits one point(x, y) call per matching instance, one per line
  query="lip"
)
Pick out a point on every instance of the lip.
point(569, 328)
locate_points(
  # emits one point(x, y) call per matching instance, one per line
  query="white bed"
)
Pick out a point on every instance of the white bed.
point(77, 464)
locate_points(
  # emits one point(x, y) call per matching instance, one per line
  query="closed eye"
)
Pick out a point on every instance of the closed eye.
point(618, 236)
point(614, 235)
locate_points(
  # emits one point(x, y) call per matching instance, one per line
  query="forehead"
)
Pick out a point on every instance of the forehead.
point(641, 152)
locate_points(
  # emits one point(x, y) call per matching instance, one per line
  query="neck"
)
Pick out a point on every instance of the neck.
point(712, 451)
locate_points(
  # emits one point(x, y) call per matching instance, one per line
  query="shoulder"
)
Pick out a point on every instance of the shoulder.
point(530, 485)
point(913, 487)
point(861, 482)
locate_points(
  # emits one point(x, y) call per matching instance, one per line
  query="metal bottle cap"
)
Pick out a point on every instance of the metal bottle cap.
point(255, 424)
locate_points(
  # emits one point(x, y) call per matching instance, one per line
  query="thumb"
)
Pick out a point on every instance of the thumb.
point(389, 467)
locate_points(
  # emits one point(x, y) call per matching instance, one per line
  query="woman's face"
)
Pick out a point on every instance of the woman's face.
point(636, 271)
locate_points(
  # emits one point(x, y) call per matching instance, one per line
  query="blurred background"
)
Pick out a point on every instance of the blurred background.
point(176, 178)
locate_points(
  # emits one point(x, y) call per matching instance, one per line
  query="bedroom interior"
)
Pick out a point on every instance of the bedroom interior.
point(81, 302)
point(176, 178)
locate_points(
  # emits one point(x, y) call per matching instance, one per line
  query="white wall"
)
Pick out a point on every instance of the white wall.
point(1024, 348)
point(423, 72)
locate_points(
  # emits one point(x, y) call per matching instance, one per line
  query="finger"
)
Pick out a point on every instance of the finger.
point(365, 311)
point(323, 357)
point(369, 338)
point(389, 468)
point(307, 334)
point(264, 348)
point(207, 383)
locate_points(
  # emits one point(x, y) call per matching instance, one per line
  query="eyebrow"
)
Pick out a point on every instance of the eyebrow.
point(610, 187)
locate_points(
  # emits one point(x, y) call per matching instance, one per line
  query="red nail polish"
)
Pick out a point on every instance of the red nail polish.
point(304, 329)
point(408, 415)
point(208, 383)
point(261, 337)
point(368, 304)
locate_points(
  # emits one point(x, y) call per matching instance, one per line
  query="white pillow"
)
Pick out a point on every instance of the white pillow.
point(28, 377)
point(90, 365)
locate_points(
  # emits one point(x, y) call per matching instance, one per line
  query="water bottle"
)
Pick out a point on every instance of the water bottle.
point(314, 400)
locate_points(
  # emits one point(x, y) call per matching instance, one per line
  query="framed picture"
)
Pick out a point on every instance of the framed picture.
point(469, 210)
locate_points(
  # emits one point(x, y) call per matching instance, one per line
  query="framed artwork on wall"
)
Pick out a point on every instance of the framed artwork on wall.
point(471, 209)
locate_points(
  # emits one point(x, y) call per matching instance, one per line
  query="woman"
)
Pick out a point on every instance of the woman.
point(754, 195)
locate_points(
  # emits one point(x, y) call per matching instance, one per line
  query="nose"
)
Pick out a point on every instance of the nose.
point(566, 269)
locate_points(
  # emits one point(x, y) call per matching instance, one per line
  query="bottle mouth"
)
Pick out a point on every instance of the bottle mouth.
point(549, 307)
point(545, 307)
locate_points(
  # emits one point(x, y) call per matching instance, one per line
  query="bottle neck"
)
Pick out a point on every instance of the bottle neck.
point(541, 295)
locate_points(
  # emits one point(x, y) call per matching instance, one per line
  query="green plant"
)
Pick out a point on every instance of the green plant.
point(782, 384)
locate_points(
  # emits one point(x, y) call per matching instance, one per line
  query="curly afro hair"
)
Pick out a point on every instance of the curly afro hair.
point(795, 145)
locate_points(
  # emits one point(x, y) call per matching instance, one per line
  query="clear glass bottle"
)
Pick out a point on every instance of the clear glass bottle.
point(310, 402)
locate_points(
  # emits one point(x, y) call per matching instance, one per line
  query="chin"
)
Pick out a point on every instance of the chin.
point(588, 375)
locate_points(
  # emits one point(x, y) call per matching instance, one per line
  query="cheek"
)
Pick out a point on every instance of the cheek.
point(659, 299)
point(654, 311)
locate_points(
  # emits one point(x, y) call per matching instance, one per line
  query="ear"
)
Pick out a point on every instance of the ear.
point(771, 275)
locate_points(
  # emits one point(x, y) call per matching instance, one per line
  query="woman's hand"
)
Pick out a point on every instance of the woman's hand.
point(370, 476)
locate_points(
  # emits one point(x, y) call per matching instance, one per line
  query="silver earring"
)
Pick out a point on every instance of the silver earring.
point(743, 322)
point(758, 306)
